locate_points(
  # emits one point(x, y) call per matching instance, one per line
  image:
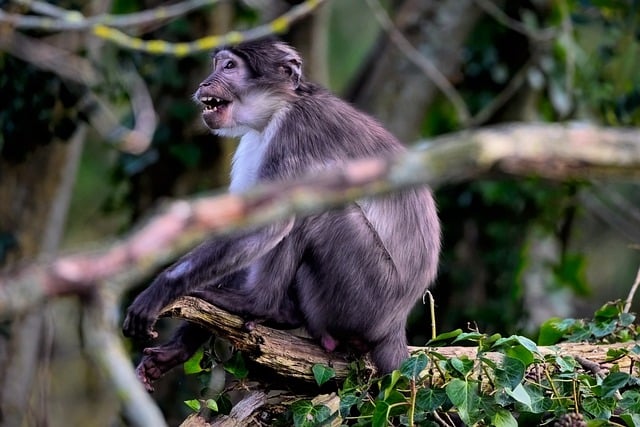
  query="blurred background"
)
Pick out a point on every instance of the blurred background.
point(97, 127)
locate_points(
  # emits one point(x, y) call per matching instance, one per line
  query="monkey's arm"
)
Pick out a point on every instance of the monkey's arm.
point(206, 263)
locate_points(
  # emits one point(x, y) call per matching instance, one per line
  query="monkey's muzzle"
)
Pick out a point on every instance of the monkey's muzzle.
point(212, 103)
point(214, 111)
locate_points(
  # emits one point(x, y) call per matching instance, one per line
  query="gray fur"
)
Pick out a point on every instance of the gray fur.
point(347, 274)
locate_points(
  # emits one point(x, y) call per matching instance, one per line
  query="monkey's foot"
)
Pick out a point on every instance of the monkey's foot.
point(157, 361)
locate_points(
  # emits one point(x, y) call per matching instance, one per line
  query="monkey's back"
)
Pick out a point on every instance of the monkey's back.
point(365, 265)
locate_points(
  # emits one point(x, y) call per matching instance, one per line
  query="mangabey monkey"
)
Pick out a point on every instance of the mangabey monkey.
point(347, 274)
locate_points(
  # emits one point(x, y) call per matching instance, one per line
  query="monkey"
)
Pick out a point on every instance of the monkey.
point(347, 275)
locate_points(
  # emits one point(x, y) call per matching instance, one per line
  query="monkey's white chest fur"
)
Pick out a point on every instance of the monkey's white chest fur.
point(248, 158)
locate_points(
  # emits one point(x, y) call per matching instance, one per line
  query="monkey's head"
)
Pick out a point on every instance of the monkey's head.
point(248, 85)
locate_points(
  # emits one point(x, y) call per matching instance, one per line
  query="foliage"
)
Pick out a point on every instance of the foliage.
point(522, 386)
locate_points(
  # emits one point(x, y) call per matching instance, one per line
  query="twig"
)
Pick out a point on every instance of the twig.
point(161, 47)
point(105, 348)
point(422, 62)
point(66, 20)
point(543, 34)
point(632, 292)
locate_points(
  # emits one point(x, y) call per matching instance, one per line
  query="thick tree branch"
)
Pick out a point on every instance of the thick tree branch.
point(574, 151)
point(293, 356)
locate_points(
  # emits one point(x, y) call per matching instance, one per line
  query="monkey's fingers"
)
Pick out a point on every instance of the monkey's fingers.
point(139, 325)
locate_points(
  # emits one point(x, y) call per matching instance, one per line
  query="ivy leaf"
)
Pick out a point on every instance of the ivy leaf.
point(551, 332)
point(503, 418)
point(445, 336)
point(631, 401)
point(380, 414)
point(430, 399)
point(346, 402)
point(305, 414)
point(412, 367)
point(388, 384)
point(599, 407)
point(192, 366)
point(510, 374)
point(631, 420)
point(322, 373)
point(609, 311)
point(613, 382)
point(464, 395)
point(236, 367)
point(463, 365)
point(212, 404)
point(602, 329)
point(519, 393)
point(194, 404)
point(540, 403)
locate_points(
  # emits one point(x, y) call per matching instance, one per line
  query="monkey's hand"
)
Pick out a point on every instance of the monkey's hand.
point(142, 314)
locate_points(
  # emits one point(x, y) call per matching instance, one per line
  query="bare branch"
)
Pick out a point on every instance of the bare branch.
point(632, 292)
point(65, 20)
point(549, 150)
point(542, 34)
point(105, 348)
point(161, 47)
point(421, 61)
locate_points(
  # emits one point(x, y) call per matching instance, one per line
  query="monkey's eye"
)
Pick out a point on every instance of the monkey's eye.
point(229, 65)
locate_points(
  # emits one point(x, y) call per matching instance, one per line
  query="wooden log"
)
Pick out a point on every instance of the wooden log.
point(294, 356)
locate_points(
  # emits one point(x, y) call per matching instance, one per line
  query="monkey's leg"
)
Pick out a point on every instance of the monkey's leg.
point(156, 361)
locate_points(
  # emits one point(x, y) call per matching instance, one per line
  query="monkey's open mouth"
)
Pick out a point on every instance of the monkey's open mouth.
point(213, 103)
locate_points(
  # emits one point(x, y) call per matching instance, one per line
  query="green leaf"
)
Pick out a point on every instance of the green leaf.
point(346, 402)
point(631, 401)
point(613, 382)
point(464, 395)
point(212, 404)
point(540, 403)
point(194, 404)
point(469, 336)
point(550, 332)
point(236, 367)
point(609, 311)
point(305, 414)
point(380, 414)
point(192, 366)
point(430, 399)
point(322, 373)
point(503, 418)
point(528, 344)
point(631, 420)
point(412, 367)
point(626, 319)
point(602, 329)
point(566, 363)
point(521, 353)
point(599, 407)
point(463, 365)
point(445, 336)
point(388, 383)
point(510, 373)
point(519, 393)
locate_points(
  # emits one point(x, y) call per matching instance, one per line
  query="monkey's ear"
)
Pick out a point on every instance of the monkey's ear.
point(293, 69)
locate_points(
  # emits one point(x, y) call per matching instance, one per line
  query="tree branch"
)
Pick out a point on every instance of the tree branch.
point(293, 356)
point(555, 151)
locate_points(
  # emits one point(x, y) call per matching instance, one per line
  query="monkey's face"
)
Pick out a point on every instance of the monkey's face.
point(238, 97)
point(218, 92)
point(231, 99)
